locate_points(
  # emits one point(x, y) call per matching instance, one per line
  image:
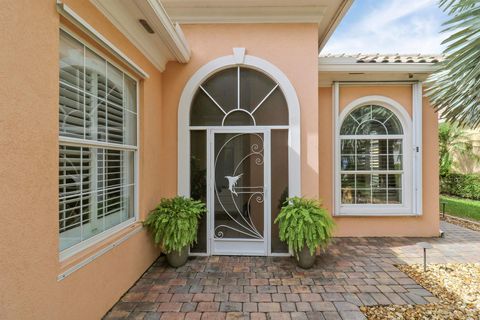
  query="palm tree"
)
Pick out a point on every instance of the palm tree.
point(454, 141)
point(454, 89)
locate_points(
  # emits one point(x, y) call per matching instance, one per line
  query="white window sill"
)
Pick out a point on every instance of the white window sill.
point(84, 257)
point(375, 214)
point(375, 211)
point(73, 250)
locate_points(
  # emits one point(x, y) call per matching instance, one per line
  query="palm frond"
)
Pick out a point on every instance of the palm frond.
point(454, 89)
point(454, 6)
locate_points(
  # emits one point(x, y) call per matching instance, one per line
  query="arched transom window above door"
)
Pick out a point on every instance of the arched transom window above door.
point(239, 96)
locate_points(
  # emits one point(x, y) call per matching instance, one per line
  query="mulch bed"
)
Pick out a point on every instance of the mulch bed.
point(457, 286)
point(472, 225)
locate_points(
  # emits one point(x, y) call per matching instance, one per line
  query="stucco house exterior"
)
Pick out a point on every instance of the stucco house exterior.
point(110, 105)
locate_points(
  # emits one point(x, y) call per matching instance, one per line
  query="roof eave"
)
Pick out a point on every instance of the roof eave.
point(167, 43)
point(332, 26)
point(378, 67)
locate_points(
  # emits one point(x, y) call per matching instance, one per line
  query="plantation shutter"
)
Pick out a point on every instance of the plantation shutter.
point(74, 167)
point(97, 104)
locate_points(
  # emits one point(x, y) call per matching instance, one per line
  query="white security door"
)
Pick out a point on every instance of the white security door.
point(238, 188)
point(237, 116)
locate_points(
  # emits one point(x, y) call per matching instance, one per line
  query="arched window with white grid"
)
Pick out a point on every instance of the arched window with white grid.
point(373, 160)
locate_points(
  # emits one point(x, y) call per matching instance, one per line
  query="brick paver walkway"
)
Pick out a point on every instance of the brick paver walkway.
point(353, 272)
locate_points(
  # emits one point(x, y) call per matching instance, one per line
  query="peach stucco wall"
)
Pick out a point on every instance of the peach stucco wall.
point(424, 225)
point(292, 48)
point(29, 260)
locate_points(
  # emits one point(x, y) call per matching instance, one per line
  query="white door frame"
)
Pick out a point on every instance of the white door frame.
point(238, 58)
point(239, 246)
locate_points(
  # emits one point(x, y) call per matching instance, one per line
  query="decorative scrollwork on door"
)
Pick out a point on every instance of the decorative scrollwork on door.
point(230, 189)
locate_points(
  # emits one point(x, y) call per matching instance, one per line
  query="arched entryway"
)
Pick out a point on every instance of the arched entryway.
point(239, 151)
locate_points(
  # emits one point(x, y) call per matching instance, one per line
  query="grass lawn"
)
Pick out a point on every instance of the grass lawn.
point(463, 208)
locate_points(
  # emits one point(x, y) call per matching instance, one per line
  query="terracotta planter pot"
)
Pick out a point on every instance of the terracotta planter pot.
point(305, 260)
point(177, 259)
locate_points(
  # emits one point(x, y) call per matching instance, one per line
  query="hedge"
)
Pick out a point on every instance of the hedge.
point(461, 185)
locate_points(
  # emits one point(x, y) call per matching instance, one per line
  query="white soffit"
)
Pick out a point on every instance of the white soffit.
point(326, 13)
point(325, 79)
point(378, 63)
point(167, 43)
point(375, 67)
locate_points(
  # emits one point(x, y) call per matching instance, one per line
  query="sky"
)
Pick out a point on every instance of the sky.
point(389, 26)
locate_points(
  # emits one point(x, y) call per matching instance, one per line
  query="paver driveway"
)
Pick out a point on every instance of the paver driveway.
point(353, 272)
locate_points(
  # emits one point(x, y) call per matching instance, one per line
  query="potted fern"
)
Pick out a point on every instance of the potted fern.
point(305, 225)
point(174, 225)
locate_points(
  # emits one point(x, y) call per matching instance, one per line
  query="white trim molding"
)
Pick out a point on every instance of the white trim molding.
point(239, 58)
point(335, 114)
point(411, 189)
point(66, 12)
point(167, 43)
point(417, 112)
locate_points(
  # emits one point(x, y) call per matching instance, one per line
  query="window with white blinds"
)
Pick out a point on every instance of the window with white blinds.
point(98, 144)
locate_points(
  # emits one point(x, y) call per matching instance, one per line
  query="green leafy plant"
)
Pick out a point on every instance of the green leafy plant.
point(174, 222)
point(304, 222)
point(461, 185)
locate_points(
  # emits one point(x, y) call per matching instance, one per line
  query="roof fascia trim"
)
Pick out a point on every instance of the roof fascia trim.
point(377, 67)
point(332, 26)
point(171, 33)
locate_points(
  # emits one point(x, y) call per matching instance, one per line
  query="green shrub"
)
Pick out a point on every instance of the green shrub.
point(461, 185)
point(174, 223)
point(304, 222)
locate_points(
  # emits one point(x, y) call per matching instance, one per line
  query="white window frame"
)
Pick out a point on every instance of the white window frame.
point(411, 178)
point(69, 141)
